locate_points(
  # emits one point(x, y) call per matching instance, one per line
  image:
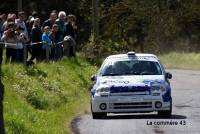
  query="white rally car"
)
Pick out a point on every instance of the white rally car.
point(131, 82)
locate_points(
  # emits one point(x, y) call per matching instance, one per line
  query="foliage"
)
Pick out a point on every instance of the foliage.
point(153, 25)
point(157, 26)
point(45, 98)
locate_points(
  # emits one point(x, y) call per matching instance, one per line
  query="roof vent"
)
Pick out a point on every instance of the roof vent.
point(131, 53)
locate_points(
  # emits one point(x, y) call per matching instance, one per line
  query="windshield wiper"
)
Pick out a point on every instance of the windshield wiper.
point(111, 74)
point(133, 73)
point(146, 73)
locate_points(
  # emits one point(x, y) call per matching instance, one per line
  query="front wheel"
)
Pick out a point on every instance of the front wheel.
point(166, 113)
point(98, 115)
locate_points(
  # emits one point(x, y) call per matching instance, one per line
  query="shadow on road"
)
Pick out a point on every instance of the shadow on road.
point(146, 116)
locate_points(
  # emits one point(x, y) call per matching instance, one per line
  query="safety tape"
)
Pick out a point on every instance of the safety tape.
point(35, 43)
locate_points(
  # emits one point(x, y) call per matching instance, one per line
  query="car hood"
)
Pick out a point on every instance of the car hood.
point(137, 80)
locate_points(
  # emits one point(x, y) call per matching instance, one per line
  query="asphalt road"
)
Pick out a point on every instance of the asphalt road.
point(186, 113)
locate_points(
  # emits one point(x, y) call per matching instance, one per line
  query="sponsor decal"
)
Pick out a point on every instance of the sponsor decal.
point(116, 82)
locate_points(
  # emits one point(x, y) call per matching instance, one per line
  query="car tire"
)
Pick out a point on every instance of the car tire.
point(166, 113)
point(98, 115)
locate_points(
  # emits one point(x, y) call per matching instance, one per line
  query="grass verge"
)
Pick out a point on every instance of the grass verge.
point(44, 99)
point(181, 60)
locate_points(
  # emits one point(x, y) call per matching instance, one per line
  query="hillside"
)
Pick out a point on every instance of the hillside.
point(45, 98)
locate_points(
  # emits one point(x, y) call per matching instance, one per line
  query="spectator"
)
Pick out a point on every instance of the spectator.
point(71, 26)
point(50, 21)
point(61, 27)
point(10, 18)
point(69, 45)
point(55, 11)
point(36, 36)
point(21, 40)
point(10, 39)
point(46, 42)
point(30, 21)
point(61, 24)
point(56, 51)
point(29, 25)
point(14, 16)
point(2, 20)
point(20, 23)
point(23, 30)
point(34, 16)
point(16, 35)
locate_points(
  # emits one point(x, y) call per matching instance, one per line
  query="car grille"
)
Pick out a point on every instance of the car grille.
point(126, 91)
point(135, 105)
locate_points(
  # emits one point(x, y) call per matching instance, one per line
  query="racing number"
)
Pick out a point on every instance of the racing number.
point(182, 122)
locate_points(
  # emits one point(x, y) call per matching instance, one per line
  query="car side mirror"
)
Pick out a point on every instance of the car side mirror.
point(93, 78)
point(168, 75)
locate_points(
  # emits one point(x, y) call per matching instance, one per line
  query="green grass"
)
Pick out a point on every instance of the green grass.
point(44, 99)
point(181, 60)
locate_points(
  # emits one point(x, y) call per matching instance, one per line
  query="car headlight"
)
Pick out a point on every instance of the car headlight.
point(102, 90)
point(157, 88)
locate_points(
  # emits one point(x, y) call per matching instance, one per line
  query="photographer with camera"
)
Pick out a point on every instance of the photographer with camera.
point(10, 39)
point(21, 40)
point(22, 35)
point(20, 23)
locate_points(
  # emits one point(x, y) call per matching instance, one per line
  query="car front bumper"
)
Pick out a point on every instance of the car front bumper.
point(126, 104)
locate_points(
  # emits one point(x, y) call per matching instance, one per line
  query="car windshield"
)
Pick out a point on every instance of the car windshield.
point(130, 67)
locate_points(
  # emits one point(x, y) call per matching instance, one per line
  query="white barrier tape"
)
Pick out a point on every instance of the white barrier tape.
point(35, 43)
point(10, 44)
point(14, 44)
point(59, 42)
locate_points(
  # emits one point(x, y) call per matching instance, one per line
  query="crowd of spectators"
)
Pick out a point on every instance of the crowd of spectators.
point(42, 39)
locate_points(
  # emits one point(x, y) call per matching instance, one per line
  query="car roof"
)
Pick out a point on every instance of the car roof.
point(132, 55)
